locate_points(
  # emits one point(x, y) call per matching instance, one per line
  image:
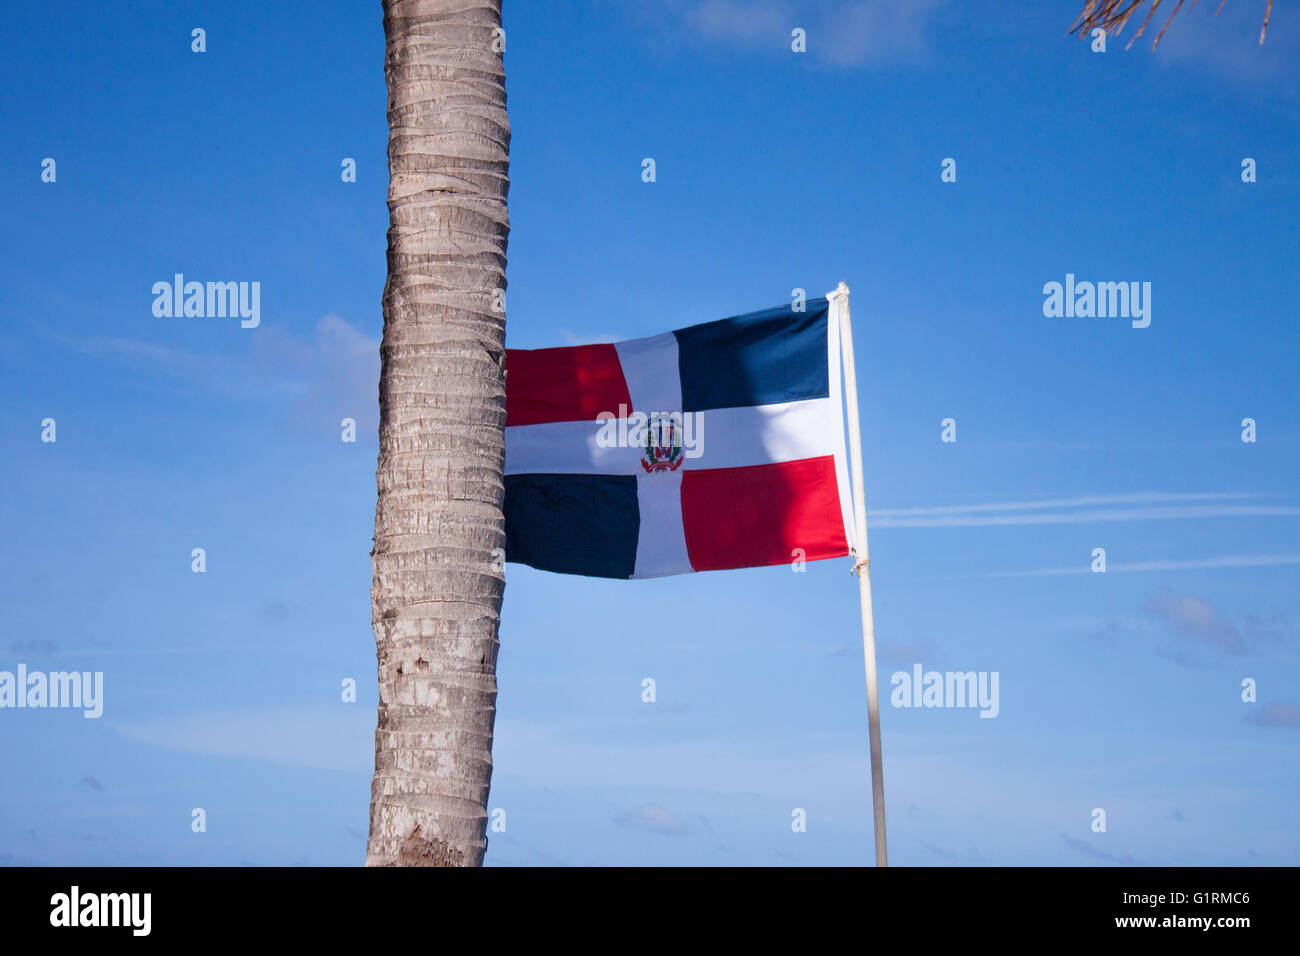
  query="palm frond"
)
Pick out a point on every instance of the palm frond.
point(1112, 15)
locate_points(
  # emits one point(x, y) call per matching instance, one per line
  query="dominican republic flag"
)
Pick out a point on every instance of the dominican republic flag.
point(715, 446)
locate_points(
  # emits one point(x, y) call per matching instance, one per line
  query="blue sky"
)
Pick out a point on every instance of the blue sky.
point(775, 170)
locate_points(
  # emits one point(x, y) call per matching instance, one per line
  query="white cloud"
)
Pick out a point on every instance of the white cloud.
point(342, 368)
point(1279, 713)
point(329, 374)
point(1147, 506)
point(326, 738)
point(846, 33)
point(1195, 619)
point(1227, 45)
point(959, 781)
point(1195, 564)
point(1038, 504)
point(655, 819)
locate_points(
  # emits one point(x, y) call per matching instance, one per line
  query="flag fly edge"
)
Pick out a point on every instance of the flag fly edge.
point(837, 399)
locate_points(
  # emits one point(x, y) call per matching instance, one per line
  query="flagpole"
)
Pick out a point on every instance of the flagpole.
point(863, 567)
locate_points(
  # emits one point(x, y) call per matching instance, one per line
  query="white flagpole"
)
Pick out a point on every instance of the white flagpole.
point(864, 573)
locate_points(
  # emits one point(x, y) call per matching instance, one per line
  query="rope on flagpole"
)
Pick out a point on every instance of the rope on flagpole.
point(863, 569)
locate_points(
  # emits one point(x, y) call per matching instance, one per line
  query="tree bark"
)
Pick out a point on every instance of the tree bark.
point(439, 533)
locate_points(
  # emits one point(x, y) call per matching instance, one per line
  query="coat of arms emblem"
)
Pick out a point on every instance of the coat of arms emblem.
point(663, 446)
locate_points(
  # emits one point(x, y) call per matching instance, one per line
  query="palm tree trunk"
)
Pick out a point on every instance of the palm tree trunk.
point(438, 585)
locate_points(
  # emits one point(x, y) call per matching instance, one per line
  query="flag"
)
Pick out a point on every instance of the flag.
point(714, 446)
